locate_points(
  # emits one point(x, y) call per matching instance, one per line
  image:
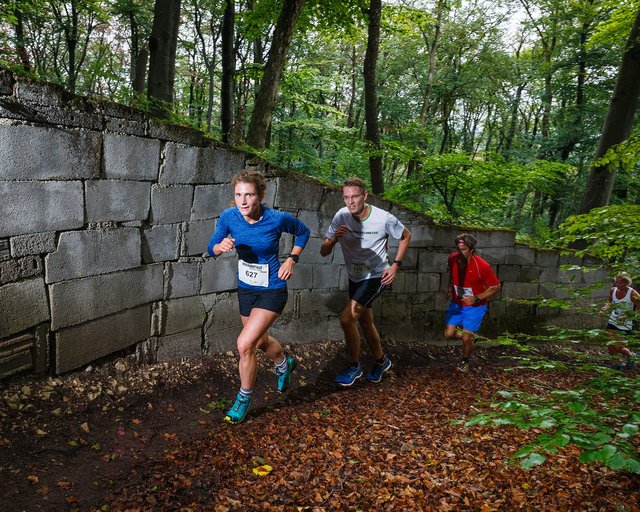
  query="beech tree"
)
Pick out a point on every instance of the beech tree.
point(617, 124)
point(371, 97)
point(228, 70)
point(162, 55)
point(270, 83)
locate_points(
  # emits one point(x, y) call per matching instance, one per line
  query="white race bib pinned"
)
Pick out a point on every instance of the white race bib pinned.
point(463, 292)
point(361, 269)
point(254, 274)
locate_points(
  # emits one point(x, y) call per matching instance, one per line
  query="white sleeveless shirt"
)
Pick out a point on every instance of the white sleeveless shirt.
point(625, 305)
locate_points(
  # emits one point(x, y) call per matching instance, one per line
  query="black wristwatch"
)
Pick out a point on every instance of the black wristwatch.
point(294, 257)
point(398, 262)
point(477, 299)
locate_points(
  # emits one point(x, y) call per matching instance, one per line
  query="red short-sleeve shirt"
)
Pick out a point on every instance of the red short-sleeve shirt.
point(478, 278)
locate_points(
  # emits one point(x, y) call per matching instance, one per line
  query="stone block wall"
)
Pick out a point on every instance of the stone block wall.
point(105, 215)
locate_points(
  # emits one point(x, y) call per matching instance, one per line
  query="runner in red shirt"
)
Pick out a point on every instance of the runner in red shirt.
point(471, 283)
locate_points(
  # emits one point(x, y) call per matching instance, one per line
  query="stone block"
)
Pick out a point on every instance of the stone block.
point(160, 243)
point(183, 314)
point(495, 255)
point(195, 236)
point(92, 252)
point(171, 204)
point(90, 298)
point(508, 272)
point(35, 243)
point(549, 275)
point(569, 260)
point(179, 164)
point(219, 275)
point(42, 153)
point(210, 200)
point(520, 255)
point(444, 236)
point(547, 258)
point(295, 194)
point(193, 165)
point(421, 235)
point(319, 302)
point(111, 200)
point(325, 276)
point(296, 331)
point(222, 311)
point(5, 251)
point(497, 238)
point(597, 276)
point(311, 253)
point(23, 305)
point(429, 282)
point(410, 281)
point(570, 276)
point(529, 273)
point(317, 222)
point(36, 207)
point(182, 279)
point(20, 268)
point(331, 202)
point(79, 345)
point(221, 340)
point(41, 357)
point(175, 133)
point(432, 261)
point(395, 308)
point(177, 346)
point(219, 165)
point(519, 290)
point(302, 277)
point(131, 158)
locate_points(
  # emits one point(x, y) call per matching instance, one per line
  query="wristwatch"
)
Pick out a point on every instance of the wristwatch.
point(398, 262)
point(476, 299)
point(294, 257)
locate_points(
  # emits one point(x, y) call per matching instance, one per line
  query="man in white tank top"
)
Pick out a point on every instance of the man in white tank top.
point(622, 299)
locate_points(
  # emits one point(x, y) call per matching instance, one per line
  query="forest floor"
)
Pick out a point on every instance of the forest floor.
point(124, 437)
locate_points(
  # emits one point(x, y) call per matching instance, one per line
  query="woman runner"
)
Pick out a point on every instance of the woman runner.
point(253, 230)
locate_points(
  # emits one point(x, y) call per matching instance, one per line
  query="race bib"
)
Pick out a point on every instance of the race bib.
point(463, 291)
point(360, 269)
point(253, 274)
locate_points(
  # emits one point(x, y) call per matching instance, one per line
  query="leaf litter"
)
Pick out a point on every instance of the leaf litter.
point(126, 437)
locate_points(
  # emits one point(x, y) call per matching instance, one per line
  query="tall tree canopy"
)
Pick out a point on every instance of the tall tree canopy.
point(488, 112)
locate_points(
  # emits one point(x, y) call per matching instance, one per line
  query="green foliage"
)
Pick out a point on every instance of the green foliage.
point(609, 233)
point(601, 417)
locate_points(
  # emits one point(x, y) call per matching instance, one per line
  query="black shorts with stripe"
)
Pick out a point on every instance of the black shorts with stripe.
point(366, 291)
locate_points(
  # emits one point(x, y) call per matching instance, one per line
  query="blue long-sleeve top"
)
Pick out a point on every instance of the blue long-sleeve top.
point(259, 242)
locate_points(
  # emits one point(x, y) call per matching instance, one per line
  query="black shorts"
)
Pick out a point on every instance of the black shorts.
point(365, 292)
point(612, 327)
point(271, 300)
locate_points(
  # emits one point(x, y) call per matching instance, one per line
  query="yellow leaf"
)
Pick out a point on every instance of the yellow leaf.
point(263, 470)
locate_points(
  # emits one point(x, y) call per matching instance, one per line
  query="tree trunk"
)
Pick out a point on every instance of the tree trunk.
point(140, 72)
point(371, 96)
point(228, 70)
point(21, 50)
point(162, 51)
point(617, 124)
point(270, 83)
point(139, 56)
